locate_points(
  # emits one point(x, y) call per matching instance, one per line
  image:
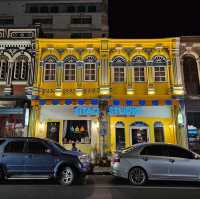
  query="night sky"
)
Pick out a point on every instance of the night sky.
point(151, 19)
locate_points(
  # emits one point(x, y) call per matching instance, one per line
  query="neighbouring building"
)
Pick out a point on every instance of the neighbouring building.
point(107, 94)
point(17, 58)
point(190, 67)
point(58, 18)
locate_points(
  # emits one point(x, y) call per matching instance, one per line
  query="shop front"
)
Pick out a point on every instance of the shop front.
point(14, 117)
point(130, 125)
point(70, 123)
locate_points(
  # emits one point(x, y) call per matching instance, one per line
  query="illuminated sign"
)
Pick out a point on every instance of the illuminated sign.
point(86, 110)
point(141, 111)
point(118, 110)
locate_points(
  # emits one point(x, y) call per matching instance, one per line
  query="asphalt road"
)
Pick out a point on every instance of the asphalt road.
point(99, 187)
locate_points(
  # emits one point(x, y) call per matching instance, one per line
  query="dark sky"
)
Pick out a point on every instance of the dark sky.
point(151, 19)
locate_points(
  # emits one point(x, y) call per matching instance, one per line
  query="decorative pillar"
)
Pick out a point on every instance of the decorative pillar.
point(177, 72)
point(104, 70)
point(59, 67)
point(79, 79)
point(150, 79)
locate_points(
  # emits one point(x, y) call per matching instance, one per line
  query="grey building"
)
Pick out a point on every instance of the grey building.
point(190, 66)
point(58, 18)
point(17, 59)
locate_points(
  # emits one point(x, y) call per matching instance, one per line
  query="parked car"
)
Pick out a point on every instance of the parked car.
point(35, 158)
point(143, 162)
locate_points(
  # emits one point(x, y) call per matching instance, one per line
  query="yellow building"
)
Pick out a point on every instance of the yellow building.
point(106, 94)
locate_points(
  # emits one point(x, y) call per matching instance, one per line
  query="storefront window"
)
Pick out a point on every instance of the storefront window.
point(11, 126)
point(53, 129)
point(139, 133)
point(120, 135)
point(193, 120)
point(158, 132)
point(78, 131)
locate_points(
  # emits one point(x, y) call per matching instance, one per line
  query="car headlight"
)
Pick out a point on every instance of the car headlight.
point(84, 158)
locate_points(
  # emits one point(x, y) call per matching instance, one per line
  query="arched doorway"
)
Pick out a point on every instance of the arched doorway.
point(139, 133)
point(191, 77)
point(120, 135)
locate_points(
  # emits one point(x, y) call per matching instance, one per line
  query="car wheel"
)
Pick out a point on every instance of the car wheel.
point(137, 176)
point(67, 176)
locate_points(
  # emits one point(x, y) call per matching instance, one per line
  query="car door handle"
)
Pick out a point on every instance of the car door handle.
point(29, 156)
point(145, 158)
point(172, 160)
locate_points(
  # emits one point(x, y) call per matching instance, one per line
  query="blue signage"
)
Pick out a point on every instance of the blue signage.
point(140, 111)
point(118, 110)
point(5, 111)
point(86, 110)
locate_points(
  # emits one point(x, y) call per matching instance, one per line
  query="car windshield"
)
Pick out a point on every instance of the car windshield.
point(128, 149)
point(57, 145)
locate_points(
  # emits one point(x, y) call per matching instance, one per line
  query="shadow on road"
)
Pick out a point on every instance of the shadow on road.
point(121, 181)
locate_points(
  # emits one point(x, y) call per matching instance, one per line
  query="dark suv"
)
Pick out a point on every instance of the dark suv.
point(35, 158)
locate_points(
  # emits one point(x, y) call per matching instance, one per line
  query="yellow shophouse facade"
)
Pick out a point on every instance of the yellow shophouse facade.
point(107, 94)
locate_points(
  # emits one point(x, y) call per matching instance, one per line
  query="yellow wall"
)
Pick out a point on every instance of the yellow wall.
point(169, 131)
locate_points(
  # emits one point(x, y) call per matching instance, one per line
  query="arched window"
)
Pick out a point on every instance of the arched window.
point(3, 68)
point(120, 135)
point(139, 64)
point(70, 68)
point(90, 70)
point(118, 69)
point(20, 69)
point(50, 68)
point(191, 77)
point(159, 64)
point(158, 132)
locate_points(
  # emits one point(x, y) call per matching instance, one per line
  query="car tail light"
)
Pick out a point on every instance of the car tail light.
point(116, 158)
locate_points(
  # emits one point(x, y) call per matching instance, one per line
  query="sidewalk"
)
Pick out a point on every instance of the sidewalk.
point(102, 170)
